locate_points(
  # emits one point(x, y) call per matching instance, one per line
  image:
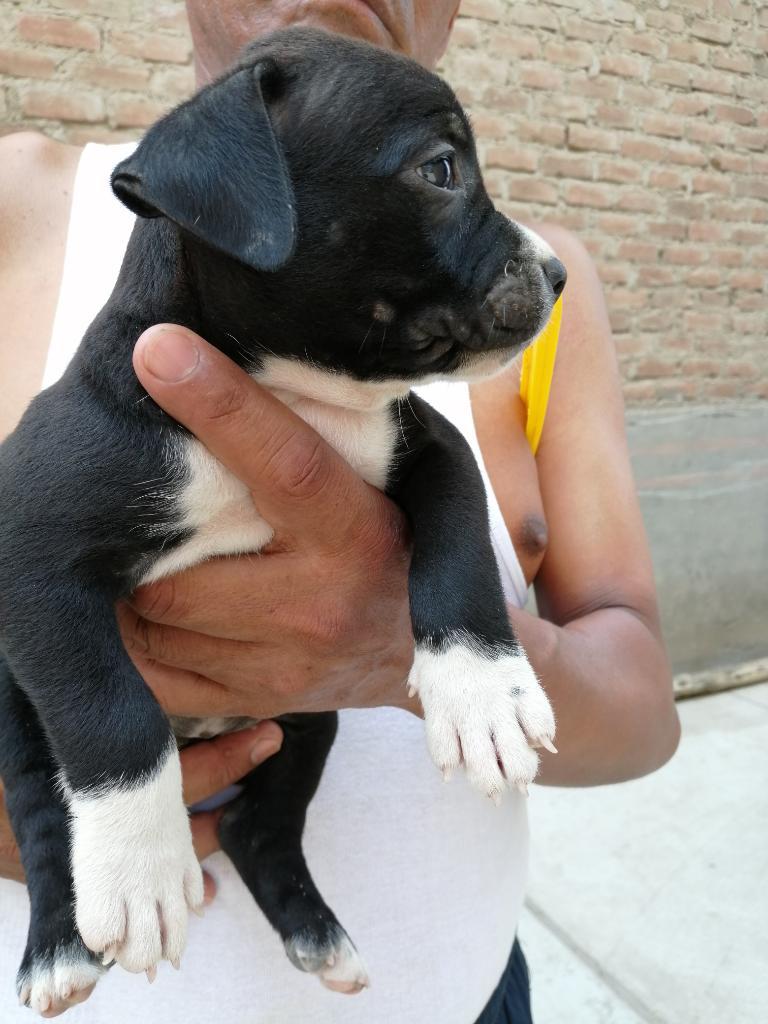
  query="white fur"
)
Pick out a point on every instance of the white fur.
point(482, 711)
point(538, 248)
point(54, 984)
point(134, 869)
point(352, 416)
point(338, 965)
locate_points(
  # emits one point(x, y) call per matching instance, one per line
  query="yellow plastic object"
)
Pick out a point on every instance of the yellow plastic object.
point(536, 376)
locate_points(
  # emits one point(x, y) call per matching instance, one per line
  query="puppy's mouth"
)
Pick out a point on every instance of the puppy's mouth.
point(440, 340)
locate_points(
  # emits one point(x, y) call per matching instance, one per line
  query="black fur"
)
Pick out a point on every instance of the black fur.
point(281, 211)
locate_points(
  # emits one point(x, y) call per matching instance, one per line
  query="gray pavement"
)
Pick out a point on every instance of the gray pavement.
point(649, 901)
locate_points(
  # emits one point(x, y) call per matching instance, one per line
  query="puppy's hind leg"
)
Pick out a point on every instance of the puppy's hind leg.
point(261, 832)
point(57, 971)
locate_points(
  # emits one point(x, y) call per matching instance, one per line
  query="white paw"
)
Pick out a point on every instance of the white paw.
point(51, 983)
point(485, 713)
point(135, 872)
point(335, 961)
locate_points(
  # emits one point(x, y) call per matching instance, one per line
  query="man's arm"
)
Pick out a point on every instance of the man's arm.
point(597, 646)
point(36, 178)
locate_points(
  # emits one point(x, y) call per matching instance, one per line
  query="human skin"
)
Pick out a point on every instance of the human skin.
point(321, 620)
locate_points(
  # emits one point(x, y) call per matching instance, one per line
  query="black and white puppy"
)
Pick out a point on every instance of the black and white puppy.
point(318, 214)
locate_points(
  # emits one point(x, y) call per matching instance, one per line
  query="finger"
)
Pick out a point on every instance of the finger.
point(221, 598)
point(209, 888)
point(212, 765)
point(287, 466)
point(205, 834)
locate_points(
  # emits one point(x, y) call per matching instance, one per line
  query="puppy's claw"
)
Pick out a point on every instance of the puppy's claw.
point(108, 956)
point(547, 743)
point(496, 797)
point(176, 963)
point(411, 691)
point(151, 974)
point(447, 774)
point(521, 786)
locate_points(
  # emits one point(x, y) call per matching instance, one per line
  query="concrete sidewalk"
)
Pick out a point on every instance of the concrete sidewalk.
point(649, 901)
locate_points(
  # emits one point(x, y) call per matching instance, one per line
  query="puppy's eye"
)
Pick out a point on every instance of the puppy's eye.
point(439, 172)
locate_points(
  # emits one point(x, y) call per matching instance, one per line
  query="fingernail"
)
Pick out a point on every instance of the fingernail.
point(269, 741)
point(170, 356)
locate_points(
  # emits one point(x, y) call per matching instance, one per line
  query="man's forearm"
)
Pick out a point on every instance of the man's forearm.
point(608, 679)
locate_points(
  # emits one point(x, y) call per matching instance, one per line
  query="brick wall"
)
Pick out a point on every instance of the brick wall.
point(643, 126)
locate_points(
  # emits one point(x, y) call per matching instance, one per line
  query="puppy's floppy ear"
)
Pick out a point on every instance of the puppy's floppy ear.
point(214, 167)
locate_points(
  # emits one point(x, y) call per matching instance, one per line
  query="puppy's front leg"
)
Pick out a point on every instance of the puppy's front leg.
point(483, 705)
point(133, 866)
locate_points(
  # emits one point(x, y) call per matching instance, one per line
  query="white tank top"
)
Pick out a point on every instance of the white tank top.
point(427, 878)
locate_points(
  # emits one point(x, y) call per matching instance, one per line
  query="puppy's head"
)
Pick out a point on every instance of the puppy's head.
point(333, 210)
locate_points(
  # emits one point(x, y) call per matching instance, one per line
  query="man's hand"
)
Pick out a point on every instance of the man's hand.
point(317, 622)
point(207, 768)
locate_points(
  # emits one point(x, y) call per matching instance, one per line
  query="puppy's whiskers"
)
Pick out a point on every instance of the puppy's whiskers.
point(367, 333)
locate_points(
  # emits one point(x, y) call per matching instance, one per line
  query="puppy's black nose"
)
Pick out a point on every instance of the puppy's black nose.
point(556, 274)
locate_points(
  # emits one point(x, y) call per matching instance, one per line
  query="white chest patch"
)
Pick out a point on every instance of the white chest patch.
point(217, 509)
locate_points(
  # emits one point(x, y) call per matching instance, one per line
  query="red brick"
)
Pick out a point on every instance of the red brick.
point(667, 178)
point(573, 108)
point(662, 124)
point(705, 277)
point(686, 254)
point(671, 74)
point(532, 16)
point(541, 76)
point(623, 65)
point(666, 20)
point(27, 64)
point(750, 138)
point(566, 165)
point(638, 252)
point(688, 155)
point(589, 194)
point(748, 280)
point(57, 31)
point(466, 33)
point(687, 51)
point(707, 80)
point(654, 277)
point(532, 190)
point(677, 230)
point(114, 76)
point(641, 42)
point(487, 10)
point(719, 184)
point(639, 201)
point(706, 231)
point(736, 115)
point(617, 224)
point(60, 106)
point(541, 132)
point(713, 31)
point(509, 43)
point(571, 55)
point(654, 367)
point(136, 113)
point(741, 63)
point(579, 28)
point(611, 115)
point(707, 134)
point(173, 49)
point(176, 83)
point(581, 137)
point(512, 158)
point(639, 148)
point(619, 171)
point(599, 88)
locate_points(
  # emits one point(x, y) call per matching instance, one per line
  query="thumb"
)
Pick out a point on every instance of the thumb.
point(212, 765)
